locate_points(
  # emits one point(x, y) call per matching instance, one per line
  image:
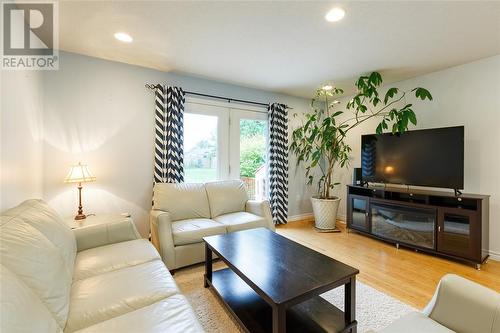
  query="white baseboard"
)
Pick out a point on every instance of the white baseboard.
point(494, 255)
point(309, 216)
point(299, 217)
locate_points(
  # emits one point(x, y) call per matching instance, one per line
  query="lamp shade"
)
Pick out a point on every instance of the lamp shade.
point(79, 173)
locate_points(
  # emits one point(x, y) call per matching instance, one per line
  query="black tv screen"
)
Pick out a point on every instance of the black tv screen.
point(430, 157)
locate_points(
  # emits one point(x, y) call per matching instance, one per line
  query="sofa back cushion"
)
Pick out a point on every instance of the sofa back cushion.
point(45, 219)
point(464, 306)
point(181, 200)
point(227, 196)
point(38, 263)
point(20, 309)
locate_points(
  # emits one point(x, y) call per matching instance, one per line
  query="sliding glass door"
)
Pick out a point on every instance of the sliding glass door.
point(248, 151)
point(222, 141)
point(206, 131)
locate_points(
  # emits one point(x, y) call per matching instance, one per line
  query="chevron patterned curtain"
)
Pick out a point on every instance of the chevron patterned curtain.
point(278, 162)
point(169, 135)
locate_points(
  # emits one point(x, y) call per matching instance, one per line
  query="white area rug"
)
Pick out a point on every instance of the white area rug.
point(374, 309)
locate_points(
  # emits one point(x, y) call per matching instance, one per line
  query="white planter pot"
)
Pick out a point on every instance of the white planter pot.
point(325, 213)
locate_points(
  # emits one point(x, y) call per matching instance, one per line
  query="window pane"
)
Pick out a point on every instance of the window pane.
point(200, 148)
point(253, 169)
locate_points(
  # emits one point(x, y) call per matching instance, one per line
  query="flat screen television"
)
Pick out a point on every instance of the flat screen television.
point(429, 157)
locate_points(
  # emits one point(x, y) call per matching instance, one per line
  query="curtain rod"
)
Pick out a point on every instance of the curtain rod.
point(229, 100)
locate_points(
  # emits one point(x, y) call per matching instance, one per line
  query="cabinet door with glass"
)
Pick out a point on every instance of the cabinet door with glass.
point(358, 210)
point(459, 233)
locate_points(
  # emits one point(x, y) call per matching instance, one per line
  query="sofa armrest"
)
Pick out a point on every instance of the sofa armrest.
point(463, 306)
point(161, 236)
point(103, 234)
point(261, 208)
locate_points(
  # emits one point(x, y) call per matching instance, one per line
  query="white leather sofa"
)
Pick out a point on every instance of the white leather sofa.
point(100, 278)
point(184, 213)
point(458, 305)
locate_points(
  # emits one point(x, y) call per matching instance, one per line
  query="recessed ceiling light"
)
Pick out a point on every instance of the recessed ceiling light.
point(335, 14)
point(123, 37)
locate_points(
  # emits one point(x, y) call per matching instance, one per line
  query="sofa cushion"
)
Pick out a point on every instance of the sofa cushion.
point(172, 314)
point(228, 196)
point(115, 293)
point(415, 322)
point(241, 221)
point(43, 218)
point(181, 200)
point(193, 230)
point(111, 257)
point(38, 263)
point(21, 310)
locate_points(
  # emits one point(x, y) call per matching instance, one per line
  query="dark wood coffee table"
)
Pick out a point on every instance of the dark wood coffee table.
point(273, 284)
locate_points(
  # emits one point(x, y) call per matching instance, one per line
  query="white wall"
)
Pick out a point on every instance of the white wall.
point(467, 95)
point(99, 112)
point(20, 137)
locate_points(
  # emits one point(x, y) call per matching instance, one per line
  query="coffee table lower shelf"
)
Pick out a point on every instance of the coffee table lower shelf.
point(255, 315)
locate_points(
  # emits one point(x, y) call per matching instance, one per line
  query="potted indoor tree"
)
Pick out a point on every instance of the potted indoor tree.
point(320, 142)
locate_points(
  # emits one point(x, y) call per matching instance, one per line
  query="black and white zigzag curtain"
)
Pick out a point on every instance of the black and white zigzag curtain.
point(169, 135)
point(278, 162)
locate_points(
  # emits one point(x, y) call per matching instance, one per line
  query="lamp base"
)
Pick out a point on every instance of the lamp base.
point(80, 217)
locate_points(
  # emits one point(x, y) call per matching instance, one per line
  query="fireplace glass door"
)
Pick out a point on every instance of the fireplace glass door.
point(414, 226)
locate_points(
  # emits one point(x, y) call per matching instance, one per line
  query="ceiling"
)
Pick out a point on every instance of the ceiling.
point(284, 46)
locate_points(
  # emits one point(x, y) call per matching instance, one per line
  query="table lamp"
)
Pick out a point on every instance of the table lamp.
point(79, 173)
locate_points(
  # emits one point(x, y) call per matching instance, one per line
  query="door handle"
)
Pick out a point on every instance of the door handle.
point(439, 228)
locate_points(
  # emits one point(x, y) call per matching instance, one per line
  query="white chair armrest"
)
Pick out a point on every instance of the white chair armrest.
point(161, 236)
point(104, 234)
point(261, 208)
point(463, 306)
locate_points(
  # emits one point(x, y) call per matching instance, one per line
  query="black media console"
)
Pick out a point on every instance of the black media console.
point(431, 221)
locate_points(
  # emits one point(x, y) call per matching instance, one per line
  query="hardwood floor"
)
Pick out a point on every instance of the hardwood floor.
point(404, 274)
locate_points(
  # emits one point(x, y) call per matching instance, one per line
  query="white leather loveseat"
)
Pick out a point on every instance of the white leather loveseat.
point(100, 278)
point(185, 213)
point(458, 305)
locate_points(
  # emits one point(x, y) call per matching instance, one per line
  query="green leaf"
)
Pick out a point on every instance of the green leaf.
point(394, 128)
point(362, 108)
point(422, 93)
point(390, 94)
point(412, 117)
point(376, 78)
point(316, 155)
point(337, 113)
point(361, 83)
point(379, 129)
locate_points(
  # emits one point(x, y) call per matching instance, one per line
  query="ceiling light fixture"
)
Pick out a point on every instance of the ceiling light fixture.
point(335, 14)
point(123, 37)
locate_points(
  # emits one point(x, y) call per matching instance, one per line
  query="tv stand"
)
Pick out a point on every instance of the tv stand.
point(453, 226)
